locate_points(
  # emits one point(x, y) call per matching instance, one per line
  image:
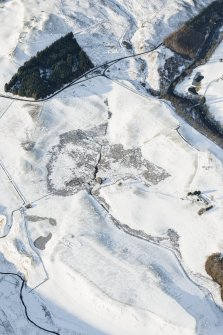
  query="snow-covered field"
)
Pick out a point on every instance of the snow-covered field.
point(211, 85)
point(94, 211)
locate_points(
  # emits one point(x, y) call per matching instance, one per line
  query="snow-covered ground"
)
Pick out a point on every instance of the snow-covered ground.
point(94, 184)
point(211, 85)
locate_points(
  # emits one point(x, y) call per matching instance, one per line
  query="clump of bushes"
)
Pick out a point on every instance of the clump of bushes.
point(50, 69)
point(194, 193)
point(206, 209)
point(214, 268)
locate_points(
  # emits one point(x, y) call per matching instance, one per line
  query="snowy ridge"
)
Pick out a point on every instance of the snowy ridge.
point(98, 233)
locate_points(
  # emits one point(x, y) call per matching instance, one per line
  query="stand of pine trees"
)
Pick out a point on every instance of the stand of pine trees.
point(50, 69)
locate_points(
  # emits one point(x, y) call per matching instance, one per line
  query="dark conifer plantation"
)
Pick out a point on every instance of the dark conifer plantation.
point(50, 69)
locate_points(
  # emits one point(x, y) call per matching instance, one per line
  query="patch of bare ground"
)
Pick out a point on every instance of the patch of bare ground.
point(186, 41)
point(214, 268)
point(189, 39)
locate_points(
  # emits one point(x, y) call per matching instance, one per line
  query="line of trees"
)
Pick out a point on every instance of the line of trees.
point(50, 69)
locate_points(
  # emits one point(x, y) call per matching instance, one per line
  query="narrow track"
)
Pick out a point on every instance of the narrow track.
point(184, 106)
point(22, 288)
point(15, 186)
point(103, 67)
point(143, 236)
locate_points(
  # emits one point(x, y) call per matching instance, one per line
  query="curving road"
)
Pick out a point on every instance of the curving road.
point(23, 286)
point(103, 67)
point(136, 234)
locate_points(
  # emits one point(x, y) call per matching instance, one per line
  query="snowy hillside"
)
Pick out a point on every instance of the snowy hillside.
point(211, 85)
point(99, 232)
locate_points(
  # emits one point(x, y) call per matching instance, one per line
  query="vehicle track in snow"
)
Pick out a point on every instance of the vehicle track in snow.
point(23, 287)
point(104, 67)
point(11, 180)
point(126, 229)
point(145, 237)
